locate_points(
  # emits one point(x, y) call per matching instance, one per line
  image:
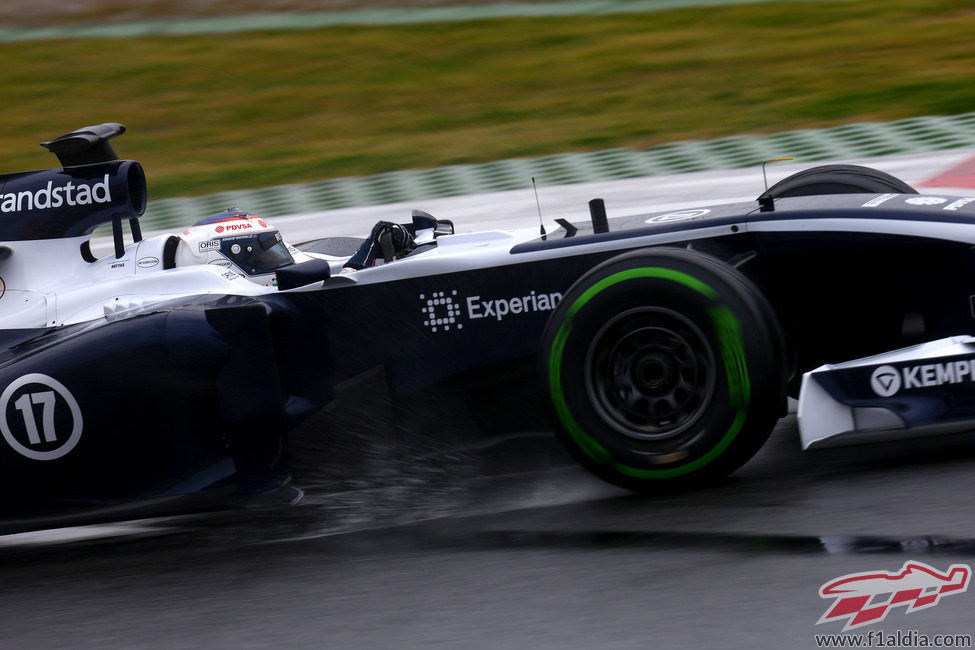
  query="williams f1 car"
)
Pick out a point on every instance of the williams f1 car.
point(662, 345)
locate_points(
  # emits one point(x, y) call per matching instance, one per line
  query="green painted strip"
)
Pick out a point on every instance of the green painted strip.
point(647, 272)
point(588, 446)
point(732, 348)
point(733, 354)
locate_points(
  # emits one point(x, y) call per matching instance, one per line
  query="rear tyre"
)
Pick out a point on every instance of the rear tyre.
point(663, 368)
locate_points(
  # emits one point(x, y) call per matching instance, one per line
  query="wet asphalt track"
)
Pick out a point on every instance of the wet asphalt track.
point(510, 545)
point(545, 557)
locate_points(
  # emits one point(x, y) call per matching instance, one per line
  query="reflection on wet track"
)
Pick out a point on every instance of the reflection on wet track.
point(544, 556)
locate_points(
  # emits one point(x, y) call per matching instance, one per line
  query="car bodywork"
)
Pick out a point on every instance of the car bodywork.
point(663, 344)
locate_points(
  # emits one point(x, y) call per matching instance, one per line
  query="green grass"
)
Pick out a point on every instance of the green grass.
point(213, 113)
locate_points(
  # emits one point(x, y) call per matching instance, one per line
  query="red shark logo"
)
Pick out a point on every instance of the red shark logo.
point(865, 598)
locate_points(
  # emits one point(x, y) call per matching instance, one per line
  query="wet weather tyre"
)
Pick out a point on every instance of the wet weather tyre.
point(663, 368)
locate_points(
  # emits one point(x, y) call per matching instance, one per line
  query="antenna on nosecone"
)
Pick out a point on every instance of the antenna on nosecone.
point(764, 177)
point(766, 203)
point(538, 204)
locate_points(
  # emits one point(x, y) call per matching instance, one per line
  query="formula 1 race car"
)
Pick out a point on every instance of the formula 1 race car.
point(664, 345)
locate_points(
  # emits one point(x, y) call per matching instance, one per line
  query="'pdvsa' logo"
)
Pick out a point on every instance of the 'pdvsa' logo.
point(39, 417)
point(235, 226)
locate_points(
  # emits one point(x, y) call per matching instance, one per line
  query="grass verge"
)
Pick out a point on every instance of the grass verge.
point(262, 108)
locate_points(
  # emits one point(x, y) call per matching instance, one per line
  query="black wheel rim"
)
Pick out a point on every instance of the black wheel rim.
point(650, 373)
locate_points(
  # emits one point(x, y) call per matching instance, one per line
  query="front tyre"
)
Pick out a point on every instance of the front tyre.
point(837, 179)
point(663, 367)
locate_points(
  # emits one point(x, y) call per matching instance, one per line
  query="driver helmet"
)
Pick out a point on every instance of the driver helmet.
point(234, 239)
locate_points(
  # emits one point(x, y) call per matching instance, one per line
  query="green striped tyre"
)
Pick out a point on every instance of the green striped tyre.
point(663, 368)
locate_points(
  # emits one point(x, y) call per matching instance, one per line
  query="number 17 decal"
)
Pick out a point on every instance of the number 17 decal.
point(60, 417)
point(23, 405)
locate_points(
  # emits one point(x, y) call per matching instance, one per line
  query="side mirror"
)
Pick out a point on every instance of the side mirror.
point(300, 275)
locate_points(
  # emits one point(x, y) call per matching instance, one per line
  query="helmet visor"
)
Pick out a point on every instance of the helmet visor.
point(257, 254)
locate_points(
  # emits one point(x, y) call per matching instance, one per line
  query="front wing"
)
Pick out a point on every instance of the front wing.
point(926, 389)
